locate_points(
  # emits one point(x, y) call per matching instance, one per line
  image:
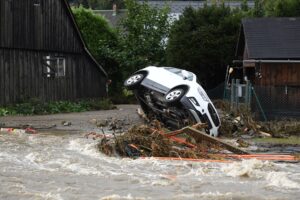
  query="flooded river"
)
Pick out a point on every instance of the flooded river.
point(68, 166)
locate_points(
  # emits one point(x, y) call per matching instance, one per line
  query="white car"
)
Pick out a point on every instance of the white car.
point(174, 97)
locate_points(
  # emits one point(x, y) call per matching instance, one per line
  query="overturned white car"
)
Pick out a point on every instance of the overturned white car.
point(174, 97)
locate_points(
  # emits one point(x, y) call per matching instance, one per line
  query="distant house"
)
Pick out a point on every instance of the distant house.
point(114, 17)
point(178, 6)
point(269, 51)
point(43, 55)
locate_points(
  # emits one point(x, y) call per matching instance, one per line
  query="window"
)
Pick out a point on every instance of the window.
point(54, 67)
point(182, 73)
point(60, 67)
point(36, 2)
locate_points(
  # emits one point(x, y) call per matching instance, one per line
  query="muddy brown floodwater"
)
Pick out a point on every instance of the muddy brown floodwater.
point(66, 165)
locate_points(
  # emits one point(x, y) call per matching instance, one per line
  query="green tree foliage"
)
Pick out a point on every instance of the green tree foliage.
point(204, 41)
point(258, 10)
point(143, 31)
point(244, 5)
point(282, 8)
point(276, 8)
point(101, 39)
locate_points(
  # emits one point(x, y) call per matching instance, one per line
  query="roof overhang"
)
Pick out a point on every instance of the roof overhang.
point(253, 62)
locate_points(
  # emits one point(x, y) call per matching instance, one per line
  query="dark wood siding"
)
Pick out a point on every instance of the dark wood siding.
point(21, 77)
point(30, 32)
point(280, 74)
point(46, 26)
point(279, 87)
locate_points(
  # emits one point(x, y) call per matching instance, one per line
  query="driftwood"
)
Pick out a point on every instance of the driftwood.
point(201, 136)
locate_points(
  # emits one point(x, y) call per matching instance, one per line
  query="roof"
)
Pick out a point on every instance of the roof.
point(112, 17)
point(69, 12)
point(178, 6)
point(271, 38)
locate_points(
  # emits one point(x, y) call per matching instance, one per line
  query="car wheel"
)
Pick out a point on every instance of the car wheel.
point(173, 96)
point(134, 81)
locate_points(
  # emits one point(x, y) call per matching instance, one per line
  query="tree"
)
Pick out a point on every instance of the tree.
point(143, 36)
point(101, 39)
point(282, 8)
point(258, 10)
point(244, 6)
point(203, 41)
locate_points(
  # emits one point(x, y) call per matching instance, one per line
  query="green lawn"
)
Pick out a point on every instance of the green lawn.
point(290, 140)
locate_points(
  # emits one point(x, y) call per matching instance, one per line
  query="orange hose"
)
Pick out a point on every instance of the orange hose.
point(259, 156)
point(176, 139)
point(187, 159)
point(235, 156)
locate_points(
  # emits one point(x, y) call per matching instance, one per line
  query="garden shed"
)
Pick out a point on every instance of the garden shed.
point(269, 50)
point(43, 55)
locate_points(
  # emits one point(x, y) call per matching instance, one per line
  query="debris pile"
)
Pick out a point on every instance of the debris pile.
point(149, 141)
point(242, 123)
point(282, 128)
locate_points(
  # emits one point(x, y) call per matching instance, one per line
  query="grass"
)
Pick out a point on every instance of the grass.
point(292, 140)
point(36, 107)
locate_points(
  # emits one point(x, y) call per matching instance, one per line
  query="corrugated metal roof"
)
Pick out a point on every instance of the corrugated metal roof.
point(272, 38)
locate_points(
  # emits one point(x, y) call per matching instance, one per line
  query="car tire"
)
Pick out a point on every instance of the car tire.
point(173, 96)
point(134, 81)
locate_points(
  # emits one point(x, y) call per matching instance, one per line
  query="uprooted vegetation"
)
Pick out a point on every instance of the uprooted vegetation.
point(147, 141)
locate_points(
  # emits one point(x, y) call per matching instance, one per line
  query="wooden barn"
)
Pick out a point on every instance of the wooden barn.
point(269, 50)
point(43, 55)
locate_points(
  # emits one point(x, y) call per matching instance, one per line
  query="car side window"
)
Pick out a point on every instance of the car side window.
point(178, 72)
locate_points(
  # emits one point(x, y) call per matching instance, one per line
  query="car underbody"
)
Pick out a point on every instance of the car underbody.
point(154, 106)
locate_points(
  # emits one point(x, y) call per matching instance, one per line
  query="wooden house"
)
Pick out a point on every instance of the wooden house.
point(269, 51)
point(43, 55)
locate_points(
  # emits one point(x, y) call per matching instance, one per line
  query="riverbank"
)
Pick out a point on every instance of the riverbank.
point(76, 122)
point(125, 116)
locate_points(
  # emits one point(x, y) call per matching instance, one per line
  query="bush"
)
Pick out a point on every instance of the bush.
point(36, 107)
point(103, 42)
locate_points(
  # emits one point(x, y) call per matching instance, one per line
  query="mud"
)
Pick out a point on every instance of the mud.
point(124, 115)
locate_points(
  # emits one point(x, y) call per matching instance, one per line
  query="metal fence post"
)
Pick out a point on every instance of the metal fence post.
point(259, 105)
point(246, 93)
point(232, 94)
point(249, 94)
point(237, 85)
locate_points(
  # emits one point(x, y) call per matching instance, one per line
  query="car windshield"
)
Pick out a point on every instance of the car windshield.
point(182, 73)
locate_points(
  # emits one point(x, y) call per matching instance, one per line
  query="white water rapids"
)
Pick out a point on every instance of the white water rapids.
point(69, 166)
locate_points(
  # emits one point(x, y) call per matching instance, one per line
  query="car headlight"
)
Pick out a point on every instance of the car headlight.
point(203, 95)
